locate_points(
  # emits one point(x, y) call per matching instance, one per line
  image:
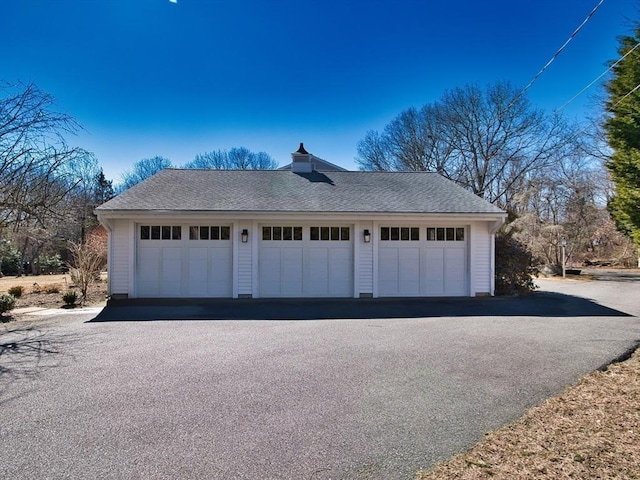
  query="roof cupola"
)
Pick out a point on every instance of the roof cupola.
point(301, 160)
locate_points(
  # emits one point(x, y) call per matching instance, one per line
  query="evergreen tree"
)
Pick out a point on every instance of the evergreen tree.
point(623, 134)
point(103, 189)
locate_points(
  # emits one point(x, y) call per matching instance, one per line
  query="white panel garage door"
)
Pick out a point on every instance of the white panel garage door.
point(210, 265)
point(422, 261)
point(305, 261)
point(172, 263)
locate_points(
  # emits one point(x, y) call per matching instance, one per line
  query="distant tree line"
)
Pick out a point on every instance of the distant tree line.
point(237, 158)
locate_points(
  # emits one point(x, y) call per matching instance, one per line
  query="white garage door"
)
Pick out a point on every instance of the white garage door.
point(171, 264)
point(210, 265)
point(305, 261)
point(422, 261)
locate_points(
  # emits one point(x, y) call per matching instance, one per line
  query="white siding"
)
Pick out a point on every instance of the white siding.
point(365, 259)
point(481, 238)
point(120, 251)
point(245, 260)
point(253, 269)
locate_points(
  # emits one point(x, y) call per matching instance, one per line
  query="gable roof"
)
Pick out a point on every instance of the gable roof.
point(174, 190)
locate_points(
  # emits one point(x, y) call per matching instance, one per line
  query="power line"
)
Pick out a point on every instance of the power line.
point(596, 79)
point(629, 93)
point(557, 54)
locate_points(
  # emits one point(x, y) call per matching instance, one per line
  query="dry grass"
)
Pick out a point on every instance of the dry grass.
point(591, 431)
point(31, 281)
point(46, 290)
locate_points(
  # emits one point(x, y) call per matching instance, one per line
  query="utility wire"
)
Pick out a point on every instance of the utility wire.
point(571, 37)
point(596, 79)
point(630, 92)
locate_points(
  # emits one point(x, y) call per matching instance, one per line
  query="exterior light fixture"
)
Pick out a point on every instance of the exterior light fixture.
point(245, 235)
point(367, 236)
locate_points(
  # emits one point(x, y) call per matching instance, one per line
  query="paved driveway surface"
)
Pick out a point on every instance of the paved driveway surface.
point(335, 398)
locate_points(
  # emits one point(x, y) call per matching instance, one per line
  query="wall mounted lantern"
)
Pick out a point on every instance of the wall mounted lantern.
point(245, 235)
point(367, 236)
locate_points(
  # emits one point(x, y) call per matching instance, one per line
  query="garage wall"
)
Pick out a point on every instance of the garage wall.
point(363, 275)
point(245, 259)
point(365, 257)
point(121, 237)
point(481, 259)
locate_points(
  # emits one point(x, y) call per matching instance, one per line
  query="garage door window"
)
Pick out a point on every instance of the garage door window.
point(442, 234)
point(216, 232)
point(160, 232)
point(402, 234)
point(329, 233)
point(282, 233)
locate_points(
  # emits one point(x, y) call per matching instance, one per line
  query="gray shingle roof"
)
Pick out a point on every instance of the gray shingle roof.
point(285, 191)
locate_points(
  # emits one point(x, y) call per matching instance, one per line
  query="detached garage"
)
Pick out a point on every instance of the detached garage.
point(298, 233)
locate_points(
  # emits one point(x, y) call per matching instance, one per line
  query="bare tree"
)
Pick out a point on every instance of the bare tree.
point(89, 259)
point(215, 160)
point(142, 170)
point(33, 152)
point(487, 140)
point(239, 158)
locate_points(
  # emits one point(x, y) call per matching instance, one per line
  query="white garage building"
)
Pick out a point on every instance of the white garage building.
point(299, 233)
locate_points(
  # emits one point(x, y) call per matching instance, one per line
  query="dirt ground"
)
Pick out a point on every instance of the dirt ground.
point(46, 291)
point(592, 430)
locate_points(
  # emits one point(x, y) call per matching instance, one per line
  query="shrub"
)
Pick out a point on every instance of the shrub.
point(515, 268)
point(50, 264)
point(89, 259)
point(7, 302)
point(10, 259)
point(70, 297)
point(16, 291)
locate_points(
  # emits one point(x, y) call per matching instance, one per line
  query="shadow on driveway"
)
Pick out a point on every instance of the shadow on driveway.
point(539, 304)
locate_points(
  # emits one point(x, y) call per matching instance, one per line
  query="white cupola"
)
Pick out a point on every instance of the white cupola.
point(301, 161)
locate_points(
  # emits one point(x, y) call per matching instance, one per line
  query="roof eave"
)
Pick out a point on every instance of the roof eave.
point(250, 214)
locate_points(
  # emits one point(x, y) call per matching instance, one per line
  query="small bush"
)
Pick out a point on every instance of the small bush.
point(70, 297)
point(7, 302)
point(515, 268)
point(16, 291)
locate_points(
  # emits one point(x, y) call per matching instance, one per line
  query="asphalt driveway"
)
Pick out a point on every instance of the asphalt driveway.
point(250, 390)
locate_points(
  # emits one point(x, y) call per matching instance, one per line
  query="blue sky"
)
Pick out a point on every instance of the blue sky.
point(152, 77)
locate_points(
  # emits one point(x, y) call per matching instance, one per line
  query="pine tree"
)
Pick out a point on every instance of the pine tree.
point(623, 134)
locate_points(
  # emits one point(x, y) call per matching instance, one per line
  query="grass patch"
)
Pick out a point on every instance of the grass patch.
point(592, 430)
point(30, 281)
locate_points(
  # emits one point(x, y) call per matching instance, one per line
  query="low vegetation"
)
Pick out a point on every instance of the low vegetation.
point(592, 430)
point(515, 268)
point(16, 291)
point(70, 297)
point(7, 303)
point(46, 291)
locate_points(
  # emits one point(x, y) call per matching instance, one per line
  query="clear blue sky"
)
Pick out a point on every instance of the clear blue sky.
point(152, 77)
